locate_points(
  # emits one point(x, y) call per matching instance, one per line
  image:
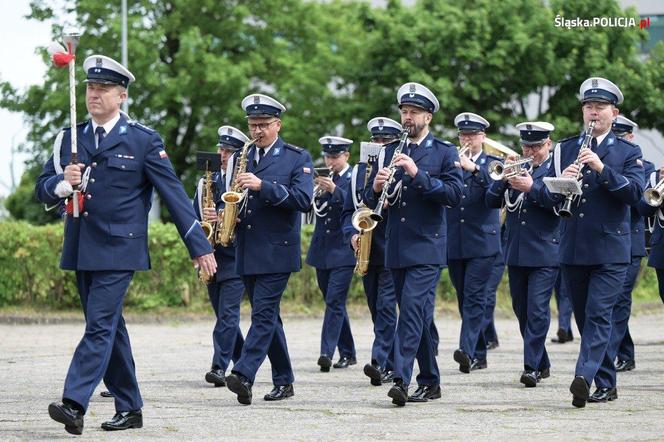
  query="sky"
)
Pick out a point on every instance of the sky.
point(22, 67)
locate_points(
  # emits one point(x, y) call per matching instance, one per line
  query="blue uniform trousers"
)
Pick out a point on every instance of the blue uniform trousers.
point(660, 282)
point(334, 284)
point(626, 348)
point(412, 286)
point(606, 377)
point(266, 335)
point(530, 288)
point(104, 351)
point(490, 334)
point(595, 290)
point(564, 303)
point(382, 302)
point(469, 277)
point(227, 340)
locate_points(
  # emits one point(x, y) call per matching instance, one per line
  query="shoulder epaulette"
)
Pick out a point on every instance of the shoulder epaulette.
point(446, 143)
point(293, 147)
point(629, 143)
point(136, 124)
point(493, 158)
point(574, 137)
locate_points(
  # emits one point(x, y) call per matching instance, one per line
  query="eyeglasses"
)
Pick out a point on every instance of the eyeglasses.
point(532, 146)
point(260, 126)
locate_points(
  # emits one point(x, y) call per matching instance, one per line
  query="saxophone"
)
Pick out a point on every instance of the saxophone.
point(225, 233)
point(362, 222)
point(208, 228)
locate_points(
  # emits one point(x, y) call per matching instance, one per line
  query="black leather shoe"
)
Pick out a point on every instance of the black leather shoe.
point(344, 362)
point(280, 392)
point(424, 393)
point(398, 393)
point(463, 360)
point(529, 378)
point(604, 394)
point(216, 376)
point(67, 415)
point(580, 392)
point(241, 386)
point(325, 363)
point(492, 345)
point(625, 365)
point(388, 376)
point(544, 374)
point(124, 421)
point(563, 336)
point(478, 364)
point(375, 373)
point(106, 394)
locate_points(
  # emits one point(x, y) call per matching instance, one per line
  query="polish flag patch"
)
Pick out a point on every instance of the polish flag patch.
point(163, 154)
point(306, 170)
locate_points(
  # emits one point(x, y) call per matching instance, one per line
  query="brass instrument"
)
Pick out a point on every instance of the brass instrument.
point(499, 171)
point(324, 172)
point(463, 150)
point(566, 210)
point(364, 223)
point(232, 199)
point(493, 147)
point(208, 228)
point(655, 195)
point(376, 214)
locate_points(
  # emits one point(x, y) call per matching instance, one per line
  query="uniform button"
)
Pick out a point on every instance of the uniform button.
point(249, 212)
point(583, 200)
point(462, 209)
point(585, 186)
point(122, 166)
point(588, 172)
point(274, 182)
point(463, 197)
point(581, 215)
point(465, 185)
point(523, 223)
point(606, 182)
point(131, 234)
point(403, 220)
point(251, 197)
point(637, 230)
point(249, 227)
point(524, 211)
point(405, 187)
point(88, 196)
point(286, 242)
point(403, 204)
point(619, 231)
point(94, 164)
point(85, 213)
point(329, 219)
point(92, 180)
point(493, 231)
point(327, 231)
point(436, 235)
point(419, 187)
point(462, 221)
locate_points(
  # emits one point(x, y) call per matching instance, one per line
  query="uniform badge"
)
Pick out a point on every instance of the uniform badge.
point(483, 160)
point(122, 130)
point(99, 62)
point(163, 154)
point(306, 170)
point(595, 83)
point(412, 90)
point(257, 99)
point(429, 143)
point(276, 151)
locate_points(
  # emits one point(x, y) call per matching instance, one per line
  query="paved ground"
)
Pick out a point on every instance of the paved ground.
point(490, 404)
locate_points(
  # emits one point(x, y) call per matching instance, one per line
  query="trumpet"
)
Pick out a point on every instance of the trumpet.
point(499, 171)
point(566, 210)
point(463, 150)
point(655, 195)
point(322, 172)
point(376, 214)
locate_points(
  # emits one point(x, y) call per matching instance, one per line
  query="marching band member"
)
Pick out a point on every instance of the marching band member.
point(330, 255)
point(532, 246)
point(426, 180)
point(654, 209)
point(473, 241)
point(489, 328)
point(621, 346)
point(378, 283)
point(123, 162)
point(226, 289)
point(279, 185)
point(595, 246)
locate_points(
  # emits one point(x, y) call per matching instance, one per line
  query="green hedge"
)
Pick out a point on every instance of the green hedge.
point(30, 276)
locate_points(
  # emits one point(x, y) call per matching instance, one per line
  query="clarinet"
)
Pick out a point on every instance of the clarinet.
point(376, 214)
point(566, 210)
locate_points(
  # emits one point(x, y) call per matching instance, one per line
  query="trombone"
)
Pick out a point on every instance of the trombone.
point(499, 171)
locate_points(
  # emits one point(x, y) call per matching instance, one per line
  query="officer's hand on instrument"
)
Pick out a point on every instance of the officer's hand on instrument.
point(209, 214)
point(661, 172)
point(381, 177)
point(73, 173)
point(403, 160)
point(522, 183)
point(354, 240)
point(326, 184)
point(571, 171)
point(467, 164)
point(249, 181)
point(206, 263)
point(590, 159)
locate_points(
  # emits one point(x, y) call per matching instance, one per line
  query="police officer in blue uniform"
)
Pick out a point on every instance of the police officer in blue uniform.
point(426, 180)
point(490, 333)
point(595, 246)
point(532, 246)
point(473, 241)
point(653, 208)
point(279, 188)
point(123, 161)
point(378, 282)
point(226, 288)
point(564, 304)
point(330, 255)
point(621, 345)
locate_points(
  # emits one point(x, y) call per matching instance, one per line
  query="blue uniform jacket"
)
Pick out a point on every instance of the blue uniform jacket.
point(377, 255)
point(416, 226)
point(225, 256)
point(532, 229)
point(656, 256)
point(473, 229)
point(328, 249)
point(111, 233)
point(268, 235)
point(598, 232)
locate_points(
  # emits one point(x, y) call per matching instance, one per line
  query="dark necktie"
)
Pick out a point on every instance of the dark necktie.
point(593, 144)
point(335, 177)
point(100, 133)
point(261, 153)
point(411, 148)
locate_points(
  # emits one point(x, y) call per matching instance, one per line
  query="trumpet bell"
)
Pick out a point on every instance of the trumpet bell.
point(231, 197)
point(496, 170)
point(363, 220)
point(653, 197)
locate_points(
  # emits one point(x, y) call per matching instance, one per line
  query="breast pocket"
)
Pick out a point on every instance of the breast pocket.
point(122, 172)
